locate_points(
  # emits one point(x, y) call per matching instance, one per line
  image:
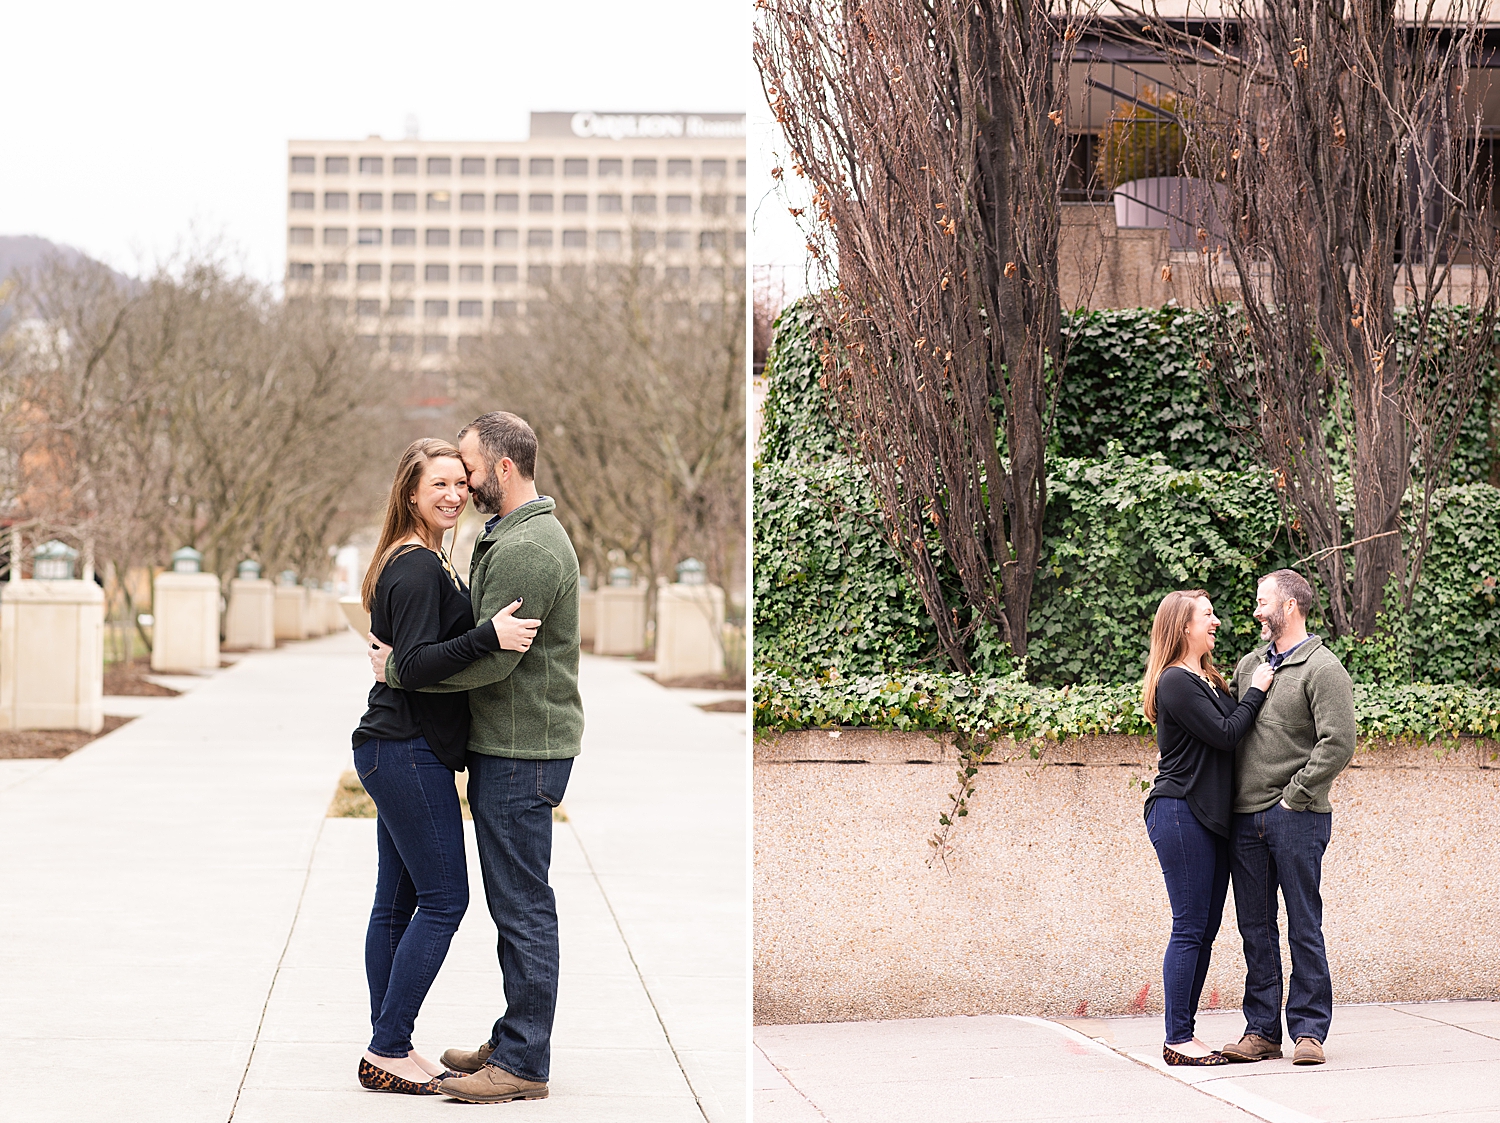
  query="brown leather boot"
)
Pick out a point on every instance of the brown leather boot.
point(1309, 1051)
point(491, 1085)
point(467, 1060)
point(1251, 1047)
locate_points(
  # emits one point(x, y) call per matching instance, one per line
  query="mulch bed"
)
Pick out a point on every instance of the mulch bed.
point(49, 744)
point(701, 682)
point(130, 678)
point(727, 706)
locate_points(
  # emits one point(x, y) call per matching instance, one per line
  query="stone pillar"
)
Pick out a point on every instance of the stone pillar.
point(251, 618)
point(587, 600)
point(689, 631)
point(291, 612)
point(52, 655)
point(185, 636)
point(620, 619)
point(333, 615)
point(317, 615)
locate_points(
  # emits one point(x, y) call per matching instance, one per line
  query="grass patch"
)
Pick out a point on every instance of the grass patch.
point(351, 801)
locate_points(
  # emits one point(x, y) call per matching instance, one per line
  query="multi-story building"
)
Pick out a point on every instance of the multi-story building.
point(427, 241)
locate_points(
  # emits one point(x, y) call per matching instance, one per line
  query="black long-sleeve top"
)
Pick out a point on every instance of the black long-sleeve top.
point(1197, 728)
point(424, 613)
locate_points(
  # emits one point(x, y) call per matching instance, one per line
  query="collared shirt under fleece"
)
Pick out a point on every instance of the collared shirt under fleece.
point(524, 704)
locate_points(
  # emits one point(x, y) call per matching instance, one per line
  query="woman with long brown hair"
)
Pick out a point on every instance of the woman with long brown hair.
point(1198, 724)
point(408, 747)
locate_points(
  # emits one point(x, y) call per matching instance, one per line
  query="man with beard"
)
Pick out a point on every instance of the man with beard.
point(1283, 769)
point(525, 729)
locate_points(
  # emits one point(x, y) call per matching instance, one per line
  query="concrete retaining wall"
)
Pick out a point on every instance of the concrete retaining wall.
point(1055, 904)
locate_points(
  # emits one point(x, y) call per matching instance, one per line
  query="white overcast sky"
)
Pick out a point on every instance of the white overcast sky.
point(134, 129)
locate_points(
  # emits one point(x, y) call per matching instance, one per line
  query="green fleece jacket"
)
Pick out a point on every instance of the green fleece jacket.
point(1303, 736)
point(524, 705)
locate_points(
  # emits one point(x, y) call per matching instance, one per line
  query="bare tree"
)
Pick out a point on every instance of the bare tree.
point(1353, 186)
point(934, 139)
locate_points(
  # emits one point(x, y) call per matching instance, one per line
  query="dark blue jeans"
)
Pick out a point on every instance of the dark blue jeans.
point(1272, 849)
point(1195, 864)
point(422, 888)
point(512, 801)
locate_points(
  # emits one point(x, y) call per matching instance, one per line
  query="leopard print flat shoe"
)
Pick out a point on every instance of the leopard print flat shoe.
point(1173, 1057)
point(378, 1080)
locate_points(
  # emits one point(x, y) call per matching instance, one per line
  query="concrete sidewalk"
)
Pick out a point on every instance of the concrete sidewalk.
point(182, 928)
point(1397, 1064)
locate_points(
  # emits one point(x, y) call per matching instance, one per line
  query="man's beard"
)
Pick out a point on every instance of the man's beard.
point(488, 497)
point(1275, 623)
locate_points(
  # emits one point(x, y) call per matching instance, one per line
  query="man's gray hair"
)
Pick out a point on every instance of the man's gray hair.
point(503, 435)
point(1293, 586)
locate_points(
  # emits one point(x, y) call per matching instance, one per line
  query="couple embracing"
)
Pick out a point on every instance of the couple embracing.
point(499, 698)
point(1242, 793)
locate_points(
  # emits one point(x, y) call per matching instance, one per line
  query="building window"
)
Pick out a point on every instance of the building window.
point(435, 273)
point(335, 165)
point(439, 165)
point(739, 239)
point(304, 165)
point(611, 167)
point(367, 272)
point(370, 235)
point(299, 271)
point(675, 275)
point(711, 275)
point(678, 240)
point(739, 204)
point(404, 165)
point(646, 169)
point(468, 274)
point(507, 165)
point(539, 239)
point(506, 275)
point(367, 342)
point(507, 239)
point(402, 307)
point(539, 165)
point(404, 201)
point(575, 204)
point(372, 165)
point(471, 165)
point(403, 236)
point(645, 239)
point(711, 240)
point(302, 201)
point(434, 309)
point(539, 204)
point(709, 313)
point(571, 274)
point(714, 204)
point(335, 235)
point(539, 274)
point(335, 200)
point(611, 204)
point(435, 344)
point(471, 307)
point(608, 240)
point(400, 345)
point(575, 167)
point(367, 308)
point(508, 203)
point(403, 272)
point(575, 239)
point(715, 169)
point(643, 204)
point(682, 167)
point(471, 237)
point(438, 237)
point(503, 309)
point(439, 201)
point(336, 308)
point(371, 201)
point(469, 344)
point(300, 236)
point(471, 201)
point(679, 204)
point(739, 169)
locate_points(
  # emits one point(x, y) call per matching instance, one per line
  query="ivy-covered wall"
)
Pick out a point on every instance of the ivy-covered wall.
point(1124, 525)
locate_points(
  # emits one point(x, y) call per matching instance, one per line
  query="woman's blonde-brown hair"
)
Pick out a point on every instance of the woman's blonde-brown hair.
point(401, 519)
point(1169, 642)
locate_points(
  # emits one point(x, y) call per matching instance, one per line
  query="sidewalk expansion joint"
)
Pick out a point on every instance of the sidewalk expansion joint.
point(782, 1073)
point(312, 855)
point(651, 998)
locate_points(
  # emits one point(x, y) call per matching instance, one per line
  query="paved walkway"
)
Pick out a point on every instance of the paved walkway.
point(182, 929)
point(1397, 1064)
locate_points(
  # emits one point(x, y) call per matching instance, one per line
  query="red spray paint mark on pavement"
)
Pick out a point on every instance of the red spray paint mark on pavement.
point(1213, 999)
point(1138, 1006)
point(1082, 1009)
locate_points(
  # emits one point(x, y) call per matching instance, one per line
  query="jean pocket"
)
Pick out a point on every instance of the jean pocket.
point(366, 758)
point(552, 779)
